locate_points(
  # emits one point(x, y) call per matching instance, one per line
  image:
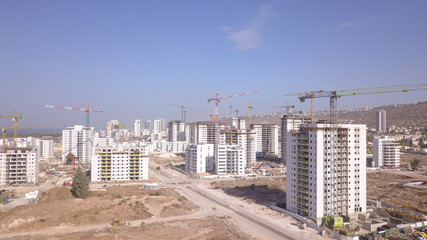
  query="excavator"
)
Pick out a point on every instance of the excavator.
point(117, 222)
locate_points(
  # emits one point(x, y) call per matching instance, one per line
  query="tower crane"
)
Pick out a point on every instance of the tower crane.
point(333, 114)
point(4, 133)
point(231, 110)
point(287, 106)
point(184, 110)
point(217, 99)
point(203, 114)
point(88, 111)
point(250, 113)
point(15, 125)
point(237, 112)
point(308, 94)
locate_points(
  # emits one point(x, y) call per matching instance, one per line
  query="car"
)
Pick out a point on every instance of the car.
point(104, 186)
point(42, 189)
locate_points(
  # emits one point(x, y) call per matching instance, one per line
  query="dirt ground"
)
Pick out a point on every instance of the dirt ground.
point(264, 191)
point(387, 186)
point(205, 228)
point(406, 158)
point(165, 158)
point(58, 207)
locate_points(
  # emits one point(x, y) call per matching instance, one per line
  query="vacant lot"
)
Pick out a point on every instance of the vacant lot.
point(205, 228)
point(59, 208)
point(255, 190)
point(165, 158)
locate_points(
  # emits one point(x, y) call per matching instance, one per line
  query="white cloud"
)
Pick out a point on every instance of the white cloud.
point(249, 37)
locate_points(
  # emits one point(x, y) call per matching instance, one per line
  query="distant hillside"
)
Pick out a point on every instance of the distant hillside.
point(401, 115)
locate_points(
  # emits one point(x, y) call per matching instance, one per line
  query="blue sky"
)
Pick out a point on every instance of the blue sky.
point(130, 58)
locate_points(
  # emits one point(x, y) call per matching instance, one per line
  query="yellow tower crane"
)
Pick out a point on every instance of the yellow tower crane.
point(250, 113)
point(15, 125)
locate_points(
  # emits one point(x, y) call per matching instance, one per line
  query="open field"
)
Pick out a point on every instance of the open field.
point(59, 208)
point(261, 191)
point(164, 159)
point(205, 228)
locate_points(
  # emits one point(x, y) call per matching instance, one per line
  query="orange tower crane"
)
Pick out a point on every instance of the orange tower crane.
point(217, 99)
point(15, 125)
point(250, 113)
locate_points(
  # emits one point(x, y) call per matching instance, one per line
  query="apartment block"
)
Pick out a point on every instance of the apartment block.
point(78, 140)
point(176, 131)
point(267, 137)
point(381, 121)
point(244, 138)
point(386, 152)
point(326, 170)
point(230, 160)
point(137, 128)
point(45, 148)
point(289, 122)
point(111, 126)
point(19, 166)
point(119, 164)
point(199, 158)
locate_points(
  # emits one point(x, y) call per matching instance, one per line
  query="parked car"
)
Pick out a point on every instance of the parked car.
point(42, 189)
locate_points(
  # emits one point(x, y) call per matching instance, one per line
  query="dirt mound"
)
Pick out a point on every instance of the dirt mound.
point(56, 194)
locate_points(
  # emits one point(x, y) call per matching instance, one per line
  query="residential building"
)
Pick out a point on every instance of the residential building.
point(326, 170)
point(19, 166)
point(111, 126)
point(176, 131)
point(199, 158)
point(238, 123)
point(386, 152)
point(244, 138)
point(137, 128)
point(78, 140)
point(45, 149)
point(289, 122)
point(119, 164)
point(381, 121)
point(230, 160)
point(267, 137)
point(148, 126)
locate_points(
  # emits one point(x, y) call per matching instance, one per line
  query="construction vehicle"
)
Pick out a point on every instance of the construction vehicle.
point(117, 222)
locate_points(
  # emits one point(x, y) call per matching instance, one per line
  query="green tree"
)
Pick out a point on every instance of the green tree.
point(415, 163)
point(80, 186)
point(69, 159)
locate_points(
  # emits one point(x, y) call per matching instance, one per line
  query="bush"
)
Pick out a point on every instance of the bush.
point(252, 187)
point(42, 220)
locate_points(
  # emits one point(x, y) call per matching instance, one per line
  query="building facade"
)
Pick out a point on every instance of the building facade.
point(289, 123)
point(326, 170)
point(230, 160)
point(19, 166)
point(78, 140)
point(199, 158)
point(386, 152)
point(267, 137)
point(119, 164)
point(381, 121)
point(137, 128)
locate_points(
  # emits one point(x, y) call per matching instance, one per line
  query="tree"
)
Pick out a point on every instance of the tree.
point(80, 186)
point(69, 159)
point(415, 163)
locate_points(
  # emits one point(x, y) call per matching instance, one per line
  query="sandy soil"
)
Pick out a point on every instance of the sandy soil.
point(59, 208)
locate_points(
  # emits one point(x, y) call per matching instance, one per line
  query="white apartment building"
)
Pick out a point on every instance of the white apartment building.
point(319, 184)
point(19, 166)
point(245, 139)
point(267, 137)
point(147, 125)
point(176, 131)
point(111, 126)
point(45, 149)
point(289, 123)
point(230, 160)
point(381, 121)
point(386, 152)
point(137, 127)
point(238, 123)
point(104, 142)
point(199, 158)
point(119, 164)
point(159, 125)
point(78, 140)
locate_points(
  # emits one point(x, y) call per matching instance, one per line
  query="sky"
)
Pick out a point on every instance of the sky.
point(131, 58)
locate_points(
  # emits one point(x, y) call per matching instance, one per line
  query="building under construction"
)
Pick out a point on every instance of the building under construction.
point(318, 185)
point(19, 166)
point(267, 139)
